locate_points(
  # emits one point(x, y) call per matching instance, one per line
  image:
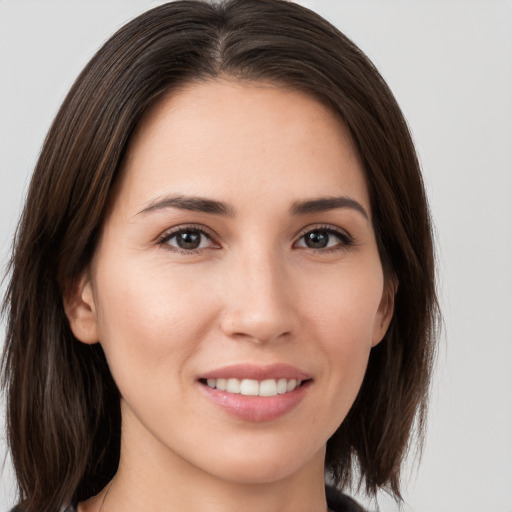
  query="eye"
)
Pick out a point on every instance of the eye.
point(325, 238)
point(187, 239)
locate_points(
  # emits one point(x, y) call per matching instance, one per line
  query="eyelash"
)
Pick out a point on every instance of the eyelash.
point(168, 235)
point(346, 240)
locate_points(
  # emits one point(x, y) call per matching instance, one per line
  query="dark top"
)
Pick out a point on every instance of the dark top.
point(336, 501)
point(339, 502)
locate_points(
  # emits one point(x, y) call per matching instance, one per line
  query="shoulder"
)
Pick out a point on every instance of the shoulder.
point(339, 502)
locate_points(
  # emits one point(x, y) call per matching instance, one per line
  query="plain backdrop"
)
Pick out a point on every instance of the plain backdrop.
point(449, 63)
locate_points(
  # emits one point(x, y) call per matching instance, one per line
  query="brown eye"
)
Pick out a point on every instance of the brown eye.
point(325, 238)
point(317, 239)
point(188, 240)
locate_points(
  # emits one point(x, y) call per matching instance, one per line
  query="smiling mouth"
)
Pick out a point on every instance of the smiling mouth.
point(256, 393)
point(252, 387)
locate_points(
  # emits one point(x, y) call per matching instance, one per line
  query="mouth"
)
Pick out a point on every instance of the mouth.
point(254, 393)
point(253, 387)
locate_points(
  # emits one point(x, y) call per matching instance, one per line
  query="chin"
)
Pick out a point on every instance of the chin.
point(266, 466)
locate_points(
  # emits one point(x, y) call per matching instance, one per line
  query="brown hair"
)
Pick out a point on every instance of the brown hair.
point(63, 414)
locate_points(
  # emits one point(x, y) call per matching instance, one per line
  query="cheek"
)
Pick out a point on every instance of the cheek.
point(346, 303)
point(149, 320)
point(344, 313)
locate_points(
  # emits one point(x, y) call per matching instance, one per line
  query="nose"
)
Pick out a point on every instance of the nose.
point(259, 305)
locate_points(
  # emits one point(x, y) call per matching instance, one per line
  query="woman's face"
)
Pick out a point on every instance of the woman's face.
point(239, 258)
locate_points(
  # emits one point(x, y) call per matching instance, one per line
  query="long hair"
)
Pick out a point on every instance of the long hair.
point(63, 412)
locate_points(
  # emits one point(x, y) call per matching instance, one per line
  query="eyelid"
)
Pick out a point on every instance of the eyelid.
point(347, 240)
point(169, 233)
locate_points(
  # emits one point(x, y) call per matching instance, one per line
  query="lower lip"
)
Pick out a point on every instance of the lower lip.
point(257, 408)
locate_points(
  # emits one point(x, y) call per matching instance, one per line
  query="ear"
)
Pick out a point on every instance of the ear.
point(80, 308)
point(386, 309)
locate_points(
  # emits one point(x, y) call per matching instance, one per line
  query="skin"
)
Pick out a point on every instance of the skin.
point(254, 292)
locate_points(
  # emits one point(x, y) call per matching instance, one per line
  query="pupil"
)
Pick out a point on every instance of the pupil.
point(317, 239)
point(189, 240)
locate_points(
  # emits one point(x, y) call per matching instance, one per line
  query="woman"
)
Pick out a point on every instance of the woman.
point(222, 284)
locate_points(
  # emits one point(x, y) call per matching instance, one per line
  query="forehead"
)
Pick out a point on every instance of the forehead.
point(213, 137)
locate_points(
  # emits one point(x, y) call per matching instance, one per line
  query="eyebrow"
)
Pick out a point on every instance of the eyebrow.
point(323, 204)
point(204, 205)
point(196, 204)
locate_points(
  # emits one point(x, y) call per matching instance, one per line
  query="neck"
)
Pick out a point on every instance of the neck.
point(151, 477)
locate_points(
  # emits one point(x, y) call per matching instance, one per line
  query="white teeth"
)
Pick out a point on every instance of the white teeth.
point(251, 387)
point(268, 387)
point(282, 386)
point(291, 385)
point(233, 386)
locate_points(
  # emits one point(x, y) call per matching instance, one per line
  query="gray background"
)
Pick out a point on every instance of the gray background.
point(449, 63)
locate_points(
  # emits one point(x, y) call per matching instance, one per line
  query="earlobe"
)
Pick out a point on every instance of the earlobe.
point(385, 311)
point(80, 308)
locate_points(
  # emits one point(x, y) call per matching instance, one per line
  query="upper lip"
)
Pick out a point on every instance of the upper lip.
point(255, 372)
